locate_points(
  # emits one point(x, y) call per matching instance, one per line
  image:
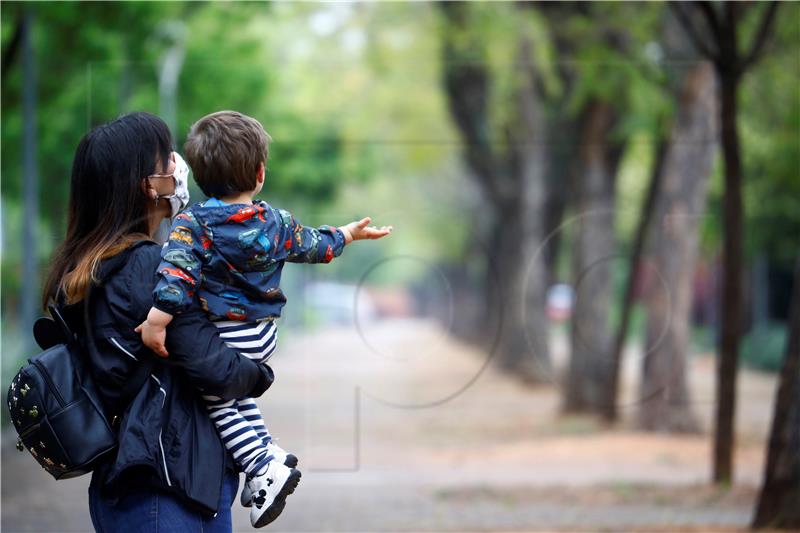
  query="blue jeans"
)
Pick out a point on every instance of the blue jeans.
point(145, 510)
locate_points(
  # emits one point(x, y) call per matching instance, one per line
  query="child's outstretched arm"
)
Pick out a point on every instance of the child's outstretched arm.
point(358, 230)
point(296, 243)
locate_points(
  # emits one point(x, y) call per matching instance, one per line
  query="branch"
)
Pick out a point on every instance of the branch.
point(691, 30)
point(761, 36)
point(466, 86)
point(711, 18)
point(11, 48)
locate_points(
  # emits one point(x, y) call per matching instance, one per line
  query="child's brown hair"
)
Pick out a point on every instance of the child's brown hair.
point(224, 150)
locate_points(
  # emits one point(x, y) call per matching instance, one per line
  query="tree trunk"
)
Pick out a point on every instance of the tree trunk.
point(731, 64)
point(587, 382)
point(519, 347)
point(731, 311)
point(528, 155)
point(778, 502)
point(611, 410)
point(563, 130)
point(562, 167)
point(665, 402)
point(512, 184)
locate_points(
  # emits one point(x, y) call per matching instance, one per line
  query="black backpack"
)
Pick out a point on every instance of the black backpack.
point(55, 407)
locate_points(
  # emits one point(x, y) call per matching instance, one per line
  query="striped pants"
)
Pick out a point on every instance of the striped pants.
point(239, 422)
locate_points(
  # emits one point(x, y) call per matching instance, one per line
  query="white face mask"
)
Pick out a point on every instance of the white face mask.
point(180, 198)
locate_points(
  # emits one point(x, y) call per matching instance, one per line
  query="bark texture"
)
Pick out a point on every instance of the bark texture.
point(778, 502)
point(717, 38)
point(664, 396)
point(508, 164)
point(588, 380)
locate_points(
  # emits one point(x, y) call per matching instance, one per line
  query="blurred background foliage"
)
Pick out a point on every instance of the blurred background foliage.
point(352, 96)
point(537, 160)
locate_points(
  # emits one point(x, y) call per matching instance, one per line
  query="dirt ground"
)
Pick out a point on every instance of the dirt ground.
point(400, 428)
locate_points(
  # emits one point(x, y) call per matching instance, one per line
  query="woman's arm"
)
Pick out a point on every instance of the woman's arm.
point(195, 346)
point(193, 341)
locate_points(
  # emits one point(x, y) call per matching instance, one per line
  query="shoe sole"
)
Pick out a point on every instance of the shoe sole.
point(274, 510)
point(291, 462)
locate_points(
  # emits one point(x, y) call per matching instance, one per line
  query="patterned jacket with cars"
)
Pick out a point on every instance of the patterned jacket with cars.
point(230, 256)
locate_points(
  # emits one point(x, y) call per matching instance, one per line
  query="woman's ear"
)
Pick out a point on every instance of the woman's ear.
point(149, 190)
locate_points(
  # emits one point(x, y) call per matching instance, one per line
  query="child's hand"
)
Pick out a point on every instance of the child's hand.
point(154, 331)
point(154, 337)
point(356, 231)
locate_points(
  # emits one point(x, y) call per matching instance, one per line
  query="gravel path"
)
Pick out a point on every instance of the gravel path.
point(494, 457)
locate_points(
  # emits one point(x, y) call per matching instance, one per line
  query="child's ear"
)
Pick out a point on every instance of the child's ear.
point(260, 175)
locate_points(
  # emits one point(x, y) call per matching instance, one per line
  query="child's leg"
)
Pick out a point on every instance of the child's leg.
point(249, 410)
point(240, 423)
point(247, 447)
point(256, 341)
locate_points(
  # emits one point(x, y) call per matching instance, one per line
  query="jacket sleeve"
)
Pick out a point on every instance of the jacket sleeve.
point(296, 243)
point(193, 342)
point(179, 272)
point(210, 365)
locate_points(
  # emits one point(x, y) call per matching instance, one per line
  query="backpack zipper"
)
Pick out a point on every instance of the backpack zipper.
point(53, 388)
point(30, 429)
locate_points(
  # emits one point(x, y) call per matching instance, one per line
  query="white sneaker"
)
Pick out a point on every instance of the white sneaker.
point(278, 454)
point(281, 455)
point(270, 491)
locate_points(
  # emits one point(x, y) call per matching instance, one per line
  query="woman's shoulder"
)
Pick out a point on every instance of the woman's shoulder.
point(139, 258)
point(144, 255)
point(129, 277)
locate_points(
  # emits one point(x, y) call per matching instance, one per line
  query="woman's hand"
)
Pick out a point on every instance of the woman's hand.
point(358, 230)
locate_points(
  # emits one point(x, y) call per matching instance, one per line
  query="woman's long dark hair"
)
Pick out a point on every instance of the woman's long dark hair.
point(107, 206)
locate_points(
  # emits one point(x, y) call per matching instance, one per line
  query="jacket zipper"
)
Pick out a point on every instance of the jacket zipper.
point(50, 383)
point(123, 350)
point(160, 442)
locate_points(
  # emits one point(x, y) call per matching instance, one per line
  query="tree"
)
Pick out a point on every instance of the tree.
point(587, 383)
point(717, 39)
point(610, 410)
point(603, 93)
point(665, 401)
point(563, 126)
point(600, 106)
point(511, 179)
point(777, 503)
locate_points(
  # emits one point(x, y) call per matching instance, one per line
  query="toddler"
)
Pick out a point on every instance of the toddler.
point(226, 255)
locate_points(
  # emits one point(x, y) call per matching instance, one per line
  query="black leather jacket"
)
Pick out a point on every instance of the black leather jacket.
point(166, 439)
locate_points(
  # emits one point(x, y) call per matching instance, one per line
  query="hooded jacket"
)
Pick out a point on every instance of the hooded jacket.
point(230, 257)
point(166, 439)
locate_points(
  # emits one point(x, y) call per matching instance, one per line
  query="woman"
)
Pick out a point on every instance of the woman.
point(171, 471)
